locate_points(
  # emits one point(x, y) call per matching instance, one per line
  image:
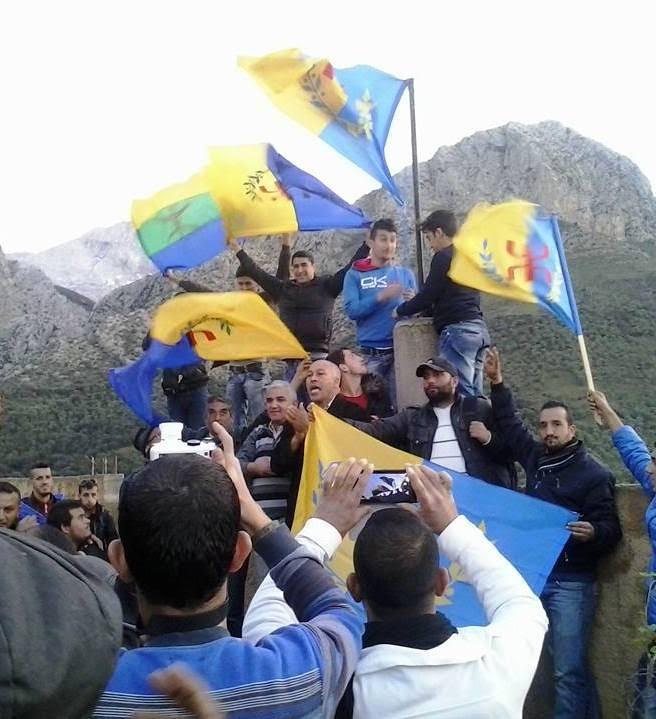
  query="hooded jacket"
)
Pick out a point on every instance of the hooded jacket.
point(362, 285)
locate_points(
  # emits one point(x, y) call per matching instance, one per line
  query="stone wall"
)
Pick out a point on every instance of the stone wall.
point(620, 614)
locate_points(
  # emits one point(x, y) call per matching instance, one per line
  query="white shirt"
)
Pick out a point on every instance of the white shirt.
point(446, 450)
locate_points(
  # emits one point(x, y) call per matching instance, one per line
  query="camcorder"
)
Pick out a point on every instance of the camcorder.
point(387, 486)
point(172, 443)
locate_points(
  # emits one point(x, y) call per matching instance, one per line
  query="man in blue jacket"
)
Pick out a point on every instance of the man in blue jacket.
point(639, 461)
point(373, 288)
point(184, 524)
point(560, 470)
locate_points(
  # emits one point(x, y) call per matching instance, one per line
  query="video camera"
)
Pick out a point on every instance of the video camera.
point(172, 443)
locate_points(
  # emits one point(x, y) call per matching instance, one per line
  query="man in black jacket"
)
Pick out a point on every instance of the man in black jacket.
point(449, 429)
point(462, 333)
point(305, 302)
point(560, 470)
point(102, 523)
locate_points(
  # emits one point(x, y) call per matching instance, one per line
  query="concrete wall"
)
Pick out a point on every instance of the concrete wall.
point(616, 643)
point(108, 485)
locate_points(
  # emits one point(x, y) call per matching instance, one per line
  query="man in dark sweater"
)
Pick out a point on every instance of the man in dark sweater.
point(305, 302)
point(462, 333)
point(560, 470)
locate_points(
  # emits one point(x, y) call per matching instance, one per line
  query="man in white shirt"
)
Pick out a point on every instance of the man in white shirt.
point(414, 663)
point(455, 431)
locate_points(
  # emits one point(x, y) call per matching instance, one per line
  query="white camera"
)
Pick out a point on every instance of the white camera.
point(172, 443)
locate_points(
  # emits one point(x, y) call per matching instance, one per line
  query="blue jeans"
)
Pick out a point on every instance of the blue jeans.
point(244, 391)
point(190, 408)
point(383, 365)
point(644, 689)
point(570, 607)
point(464, 345)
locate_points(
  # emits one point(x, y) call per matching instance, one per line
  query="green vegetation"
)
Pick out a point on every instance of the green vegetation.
point(65, 414)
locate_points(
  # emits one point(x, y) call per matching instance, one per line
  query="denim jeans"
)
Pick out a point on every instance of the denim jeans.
point(244, 391)
point(464, 345)
point(570, 607)
point(383, 365)
point(190, 408)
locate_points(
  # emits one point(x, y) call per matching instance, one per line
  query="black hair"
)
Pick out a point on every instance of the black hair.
point(60, 514)
point(336, 357)
point(554, 404)
point(40, 465)
point(9, 488)
point(385, 223)
point(395, 560)
point(178, 519)
point(241, 272)
point(441, 220)
point(87, 484)
point(53, 535)
point(303, 253)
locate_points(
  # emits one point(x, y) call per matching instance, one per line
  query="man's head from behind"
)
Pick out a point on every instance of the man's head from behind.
point(323, 382)
point(439, 229)
point(88, 494)
point(41, 476)
point(555, 426)
point(178, 522)
point(278, 396)
point(382, 241)
point(396, 566)
point(219, 410)
point(245, 282)
point(9, 505)
point(303, 269)
point(69, 516)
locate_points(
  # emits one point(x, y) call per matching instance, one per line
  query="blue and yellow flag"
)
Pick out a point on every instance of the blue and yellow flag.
point(190, 328)
point(247, 190)
point(528, 532)
point(350, 108)
point(514, 250)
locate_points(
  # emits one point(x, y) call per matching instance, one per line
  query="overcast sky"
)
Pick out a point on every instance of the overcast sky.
point(104, 102)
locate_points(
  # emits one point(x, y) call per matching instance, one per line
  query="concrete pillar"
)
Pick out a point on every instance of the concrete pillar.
point(414, 342)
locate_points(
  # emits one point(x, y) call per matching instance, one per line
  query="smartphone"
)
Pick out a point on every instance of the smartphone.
point(386, 486)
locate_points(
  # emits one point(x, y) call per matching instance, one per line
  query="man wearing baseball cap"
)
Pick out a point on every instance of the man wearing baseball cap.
point(452, 430)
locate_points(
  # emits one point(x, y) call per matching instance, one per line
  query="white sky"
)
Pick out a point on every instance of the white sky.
point(108, 101)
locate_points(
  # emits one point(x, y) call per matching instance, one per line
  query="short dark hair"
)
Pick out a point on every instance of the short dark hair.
point(303, 253)
point(87, 484)
point(40, 465)
point(218, 398)
point(241, 272)
point(178, 519)
point(443, 220)
point(385, 223)
point(53, 535)
point(9, 488)
point(395, 560)
point(60, 514)
point(554, 404)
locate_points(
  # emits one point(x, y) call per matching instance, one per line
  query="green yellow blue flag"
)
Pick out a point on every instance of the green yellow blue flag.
point(244, 191)
point(350, 108)
point(200, 326)
point(528, 532)
point(514, 250)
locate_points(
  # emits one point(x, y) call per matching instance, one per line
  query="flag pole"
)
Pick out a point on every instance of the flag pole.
point(572, 303)
point(415, 183)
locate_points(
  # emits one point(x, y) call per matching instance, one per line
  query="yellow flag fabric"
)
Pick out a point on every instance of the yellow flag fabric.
point(329, 440)
point(225, 326)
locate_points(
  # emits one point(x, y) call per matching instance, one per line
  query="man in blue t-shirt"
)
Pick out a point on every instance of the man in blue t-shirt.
point(373, 288)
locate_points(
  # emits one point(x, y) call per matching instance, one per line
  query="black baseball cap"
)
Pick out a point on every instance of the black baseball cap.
point(438, 364)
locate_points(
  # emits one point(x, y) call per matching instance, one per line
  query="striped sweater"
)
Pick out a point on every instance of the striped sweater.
point(298, 671)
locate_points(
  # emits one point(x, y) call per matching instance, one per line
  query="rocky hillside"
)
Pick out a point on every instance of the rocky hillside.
point(55, 351)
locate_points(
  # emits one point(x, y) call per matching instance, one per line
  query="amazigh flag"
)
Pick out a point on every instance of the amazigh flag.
point(248, 190)
point(349, 108)
point(200, 326)
point(530, 533)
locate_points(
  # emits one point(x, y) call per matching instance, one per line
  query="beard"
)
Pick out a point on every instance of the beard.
point(439, 396)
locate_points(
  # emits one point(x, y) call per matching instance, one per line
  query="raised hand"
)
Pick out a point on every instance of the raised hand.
point(299, 419)
point(343, 486)
point(480, 432)
point(492, 366)
point(433, 490)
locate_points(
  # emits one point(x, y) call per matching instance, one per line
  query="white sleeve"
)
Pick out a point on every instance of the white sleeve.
point(268, 610)
point(517, 620)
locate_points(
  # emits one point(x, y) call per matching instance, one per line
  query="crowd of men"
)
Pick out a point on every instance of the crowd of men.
point(169, 587)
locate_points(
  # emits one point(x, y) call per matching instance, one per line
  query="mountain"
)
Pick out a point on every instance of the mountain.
point(53, 371)
point(105, 259)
